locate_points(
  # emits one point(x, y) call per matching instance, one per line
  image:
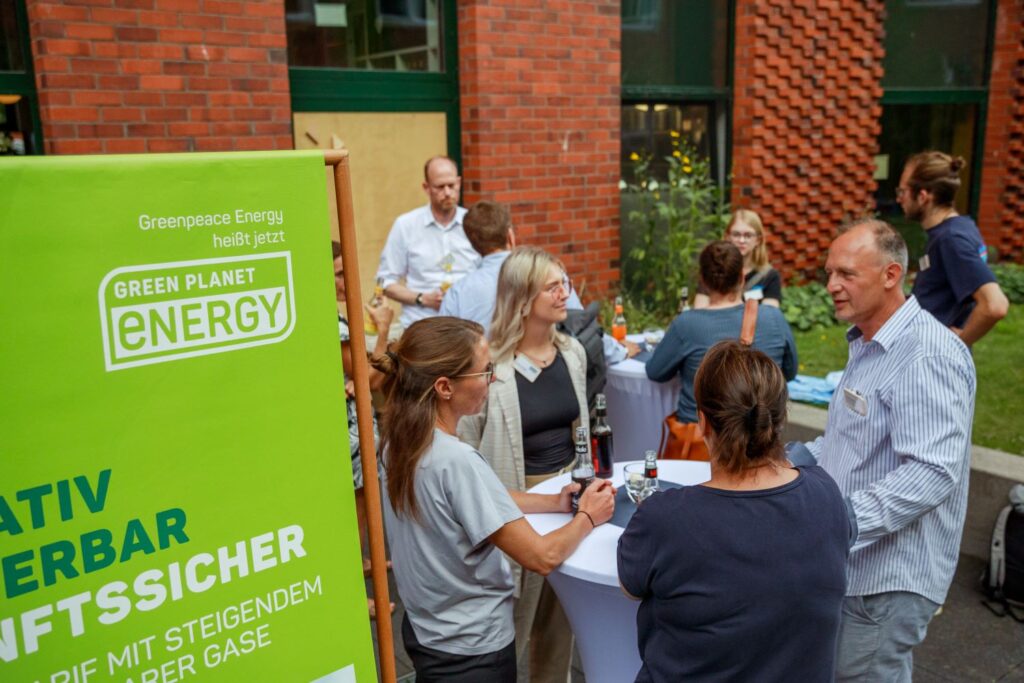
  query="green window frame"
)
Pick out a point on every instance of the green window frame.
point(24, 82)
point(322, 89)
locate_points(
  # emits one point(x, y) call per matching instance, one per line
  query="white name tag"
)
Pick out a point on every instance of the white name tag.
point(855, 401)
point(924, 263)
point(756, 294)
point(525, 367)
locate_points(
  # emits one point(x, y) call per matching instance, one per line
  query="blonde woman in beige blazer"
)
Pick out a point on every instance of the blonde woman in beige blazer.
point(529, 352)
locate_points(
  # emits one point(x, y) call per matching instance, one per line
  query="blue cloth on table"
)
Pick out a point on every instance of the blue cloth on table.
point(814, 389)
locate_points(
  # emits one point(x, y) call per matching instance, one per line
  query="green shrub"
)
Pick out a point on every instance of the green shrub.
point(808, 307)
point(1011, 281)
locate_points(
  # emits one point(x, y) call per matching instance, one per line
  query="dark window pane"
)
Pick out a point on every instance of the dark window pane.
point(16, 135)
point(911, 128)
point(935, 43)
point(648, 128)
point(389, 35)
point(675, 42)
point(11, 57)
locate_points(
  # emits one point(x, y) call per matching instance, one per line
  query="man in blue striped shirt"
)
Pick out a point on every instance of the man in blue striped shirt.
point(898, 443)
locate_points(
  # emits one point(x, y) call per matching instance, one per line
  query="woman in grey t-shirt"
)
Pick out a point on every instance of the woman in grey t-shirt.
point(448, 516)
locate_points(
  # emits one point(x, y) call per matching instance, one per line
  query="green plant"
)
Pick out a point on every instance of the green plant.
point(1011, 281)
point(671, 221)
point(808, 307)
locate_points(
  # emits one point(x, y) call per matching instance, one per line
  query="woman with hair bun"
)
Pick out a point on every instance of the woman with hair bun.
point(448, 516)
point(741, 578)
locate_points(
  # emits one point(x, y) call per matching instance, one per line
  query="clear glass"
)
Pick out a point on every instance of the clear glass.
point(647, 128)
point(11, 56)
point(675, 42)
point(385, 35)
point(636, 482)
point(911, 128)
point(935, 43)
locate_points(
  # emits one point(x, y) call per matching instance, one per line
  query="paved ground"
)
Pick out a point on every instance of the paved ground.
point(966, 643)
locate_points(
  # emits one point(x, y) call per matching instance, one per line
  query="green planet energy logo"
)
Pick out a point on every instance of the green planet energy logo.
point(166, 311)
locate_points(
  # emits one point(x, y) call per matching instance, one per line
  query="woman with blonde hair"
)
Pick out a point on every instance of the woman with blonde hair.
point(760, 280)
point(449, 518)
point(526, 429)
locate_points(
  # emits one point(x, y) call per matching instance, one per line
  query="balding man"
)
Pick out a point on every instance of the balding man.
point(427, 250)
point(898, 443)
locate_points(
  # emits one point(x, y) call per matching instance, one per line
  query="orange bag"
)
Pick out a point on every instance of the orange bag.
point(684, 440)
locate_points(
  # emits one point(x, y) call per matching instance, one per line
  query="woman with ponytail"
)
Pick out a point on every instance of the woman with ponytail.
point(742, 577)
point(448, 516)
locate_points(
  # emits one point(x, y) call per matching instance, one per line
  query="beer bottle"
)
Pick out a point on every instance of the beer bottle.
point(651, 471)
point(601, 440)
point(619, 322)
point(583, 468)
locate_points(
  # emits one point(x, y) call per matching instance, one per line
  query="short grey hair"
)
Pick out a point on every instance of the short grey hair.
point(889, 242)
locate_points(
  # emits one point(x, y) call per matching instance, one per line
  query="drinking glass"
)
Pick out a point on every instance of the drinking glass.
point(636, 483)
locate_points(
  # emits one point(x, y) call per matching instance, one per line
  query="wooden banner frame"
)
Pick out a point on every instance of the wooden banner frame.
point(364, 411)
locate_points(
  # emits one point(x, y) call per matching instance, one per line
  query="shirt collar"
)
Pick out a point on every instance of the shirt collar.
point(428, 218)
point(495, 259)
point(894, 327)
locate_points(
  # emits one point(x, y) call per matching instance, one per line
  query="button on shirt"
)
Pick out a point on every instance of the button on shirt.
point(898, 444)
point(417, 250)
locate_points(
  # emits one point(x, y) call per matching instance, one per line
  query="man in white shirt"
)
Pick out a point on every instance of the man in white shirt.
point(427, 250)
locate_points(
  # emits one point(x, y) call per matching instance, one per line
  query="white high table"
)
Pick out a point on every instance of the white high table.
point(602, 617)
point(637, 407)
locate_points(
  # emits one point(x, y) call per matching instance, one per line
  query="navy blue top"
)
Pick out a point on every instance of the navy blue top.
point(738, 585)
point(695, 331)
point(952, 270)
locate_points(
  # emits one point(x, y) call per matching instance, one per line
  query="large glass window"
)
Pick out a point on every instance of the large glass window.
point(935, 43)
point(650, 128)
point(19, 115)
point(390, 35)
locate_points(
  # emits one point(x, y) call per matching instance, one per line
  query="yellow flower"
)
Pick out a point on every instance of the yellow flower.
point(634, 157)
point(657, 196)
point(674, 133)
point(686, 160)
point(676, 154)
point(687, 169)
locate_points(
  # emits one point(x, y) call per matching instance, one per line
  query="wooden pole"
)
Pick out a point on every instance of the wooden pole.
point(364, 411)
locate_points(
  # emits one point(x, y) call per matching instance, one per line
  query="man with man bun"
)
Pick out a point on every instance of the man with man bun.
point(954, 283)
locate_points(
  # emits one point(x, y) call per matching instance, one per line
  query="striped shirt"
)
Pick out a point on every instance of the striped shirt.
point(898, 443)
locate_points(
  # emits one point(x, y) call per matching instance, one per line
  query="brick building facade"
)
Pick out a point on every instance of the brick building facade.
point(539, 107)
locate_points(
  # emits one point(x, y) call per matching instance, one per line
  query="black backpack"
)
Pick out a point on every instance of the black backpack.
point(583, 326)
point(1003, 579)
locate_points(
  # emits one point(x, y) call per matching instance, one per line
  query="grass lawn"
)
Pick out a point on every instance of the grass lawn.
point(999, 359)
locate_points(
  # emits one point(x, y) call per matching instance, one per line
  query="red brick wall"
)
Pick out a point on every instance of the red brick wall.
point(1001, 207)
point(539, 84)
point(161, 75)
point(806, 119)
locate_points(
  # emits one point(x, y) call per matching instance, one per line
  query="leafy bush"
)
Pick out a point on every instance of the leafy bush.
point(671, 221)
point(808, 307)
point(1011, 281)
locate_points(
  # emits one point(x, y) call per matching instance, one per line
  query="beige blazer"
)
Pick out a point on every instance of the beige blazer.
point(497, 432)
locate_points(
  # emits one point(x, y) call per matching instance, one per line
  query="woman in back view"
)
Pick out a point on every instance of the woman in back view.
point(742, 578)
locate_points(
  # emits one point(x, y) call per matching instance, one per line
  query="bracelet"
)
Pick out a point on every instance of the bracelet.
point(419, 299)
point(584, 512)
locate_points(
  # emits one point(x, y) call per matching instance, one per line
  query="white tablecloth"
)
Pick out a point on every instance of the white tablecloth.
point(636, 407)
point(587, 583)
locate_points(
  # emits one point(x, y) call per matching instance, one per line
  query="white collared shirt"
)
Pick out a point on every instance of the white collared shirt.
point(424, 254)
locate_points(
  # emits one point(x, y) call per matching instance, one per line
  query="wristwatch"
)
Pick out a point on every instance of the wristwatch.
point(419, 299)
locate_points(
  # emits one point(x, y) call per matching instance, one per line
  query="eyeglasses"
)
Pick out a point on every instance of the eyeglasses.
point(900, 191)
point(743, 236)
point(487, 373)
point(565, 285)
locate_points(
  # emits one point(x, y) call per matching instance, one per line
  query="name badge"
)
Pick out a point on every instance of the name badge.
point(924, 263)
point(525, 367)
point(757, 293)
point(855, 401)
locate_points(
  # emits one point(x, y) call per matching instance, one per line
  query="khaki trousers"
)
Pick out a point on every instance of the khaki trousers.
point(542, 629)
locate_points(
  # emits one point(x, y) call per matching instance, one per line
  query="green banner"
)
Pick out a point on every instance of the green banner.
point(175, 489)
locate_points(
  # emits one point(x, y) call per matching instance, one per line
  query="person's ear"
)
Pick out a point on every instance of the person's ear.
point(510, 240)
point(426, 187)
point(893, 275)
point(702, 424)
point(443, 388)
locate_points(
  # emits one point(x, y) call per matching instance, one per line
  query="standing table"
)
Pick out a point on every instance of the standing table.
point(587, 584)
point(637, 407)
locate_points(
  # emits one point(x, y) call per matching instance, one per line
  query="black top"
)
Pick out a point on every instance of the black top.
point(548, 407)
point(770, 284)
point(739, 585)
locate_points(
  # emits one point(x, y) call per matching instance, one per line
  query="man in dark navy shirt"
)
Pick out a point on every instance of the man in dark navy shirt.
point(954, 282)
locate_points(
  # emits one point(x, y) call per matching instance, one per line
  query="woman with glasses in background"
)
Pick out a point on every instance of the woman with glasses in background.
point(526, 429)
point(760, 280)
point(448, 515)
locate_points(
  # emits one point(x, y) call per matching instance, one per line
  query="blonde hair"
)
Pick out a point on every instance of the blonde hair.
point(759, 255)
point(520, 281)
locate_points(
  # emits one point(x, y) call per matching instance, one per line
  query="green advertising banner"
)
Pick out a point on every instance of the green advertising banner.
point(175, 490)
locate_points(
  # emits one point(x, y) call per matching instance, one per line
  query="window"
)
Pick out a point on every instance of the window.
point(675, 78)
point(19, 114)
point(936, 93)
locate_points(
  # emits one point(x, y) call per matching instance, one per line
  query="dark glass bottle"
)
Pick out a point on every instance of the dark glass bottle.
point(601, 440)
point(583, 468)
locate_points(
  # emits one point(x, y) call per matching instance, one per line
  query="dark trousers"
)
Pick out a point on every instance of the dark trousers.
point(433, 666)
